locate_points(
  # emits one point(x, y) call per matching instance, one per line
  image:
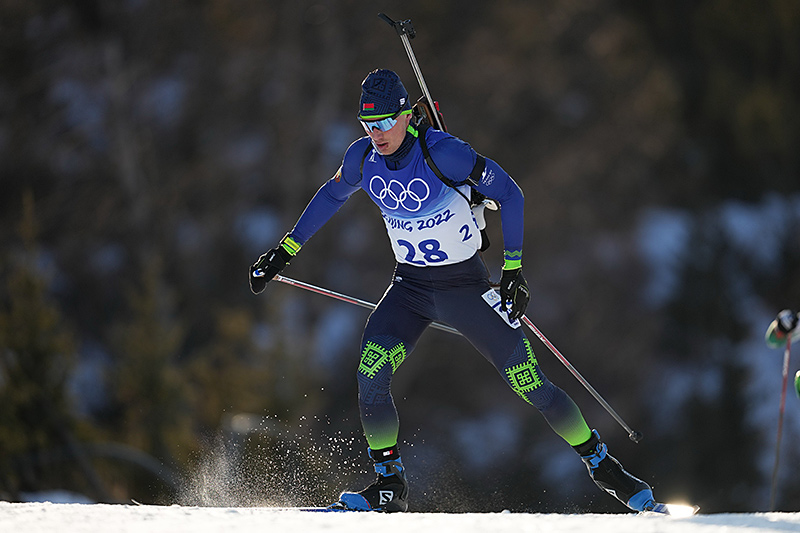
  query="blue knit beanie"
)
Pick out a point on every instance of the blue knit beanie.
point(382, 95)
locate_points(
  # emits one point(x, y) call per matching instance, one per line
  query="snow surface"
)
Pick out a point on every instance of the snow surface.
point(96, 518)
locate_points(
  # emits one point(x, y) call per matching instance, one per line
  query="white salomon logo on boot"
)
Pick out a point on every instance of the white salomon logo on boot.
point(386, 496)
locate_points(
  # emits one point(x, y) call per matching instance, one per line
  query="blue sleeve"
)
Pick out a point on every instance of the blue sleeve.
point(456, 159)
point(496, 184)
point(332, 195)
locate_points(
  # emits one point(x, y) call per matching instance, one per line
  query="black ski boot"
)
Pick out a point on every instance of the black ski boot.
point(609, 475)
point(388, 493)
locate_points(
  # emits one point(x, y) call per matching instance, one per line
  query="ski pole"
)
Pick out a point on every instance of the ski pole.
point(349, 299)
point(773, 490)
point(406, 32)
point(635, 436)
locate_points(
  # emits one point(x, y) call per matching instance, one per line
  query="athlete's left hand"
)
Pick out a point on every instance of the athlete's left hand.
point(514, 291)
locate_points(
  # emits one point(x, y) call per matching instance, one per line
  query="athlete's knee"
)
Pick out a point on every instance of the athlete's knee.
point(381, 355)
point(379, 352)
point(522, 373)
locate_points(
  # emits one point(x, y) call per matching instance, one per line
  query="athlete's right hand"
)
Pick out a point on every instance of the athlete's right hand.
point(267, 267)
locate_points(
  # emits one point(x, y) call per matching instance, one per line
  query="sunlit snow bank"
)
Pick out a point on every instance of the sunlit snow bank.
point(98, 518)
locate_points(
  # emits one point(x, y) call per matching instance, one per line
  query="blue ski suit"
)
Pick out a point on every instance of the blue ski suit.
point(439, 275)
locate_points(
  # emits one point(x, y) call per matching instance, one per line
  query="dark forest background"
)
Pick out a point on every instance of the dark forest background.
point(151, 150)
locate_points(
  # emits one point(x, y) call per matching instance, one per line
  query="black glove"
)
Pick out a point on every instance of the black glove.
point(787, 321)
point(514, 290)
point(267, 267)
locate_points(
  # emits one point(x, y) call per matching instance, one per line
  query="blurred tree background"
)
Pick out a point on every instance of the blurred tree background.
point(150, 151)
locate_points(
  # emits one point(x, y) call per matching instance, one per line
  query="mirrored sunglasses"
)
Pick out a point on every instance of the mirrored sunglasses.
point(383, 124)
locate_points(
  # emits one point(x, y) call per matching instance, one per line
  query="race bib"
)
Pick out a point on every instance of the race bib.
point(442, 238)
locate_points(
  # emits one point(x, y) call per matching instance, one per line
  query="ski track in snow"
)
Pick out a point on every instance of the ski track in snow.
point(97, 518)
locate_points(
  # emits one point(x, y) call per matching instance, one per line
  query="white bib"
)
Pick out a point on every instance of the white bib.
point(449, 235)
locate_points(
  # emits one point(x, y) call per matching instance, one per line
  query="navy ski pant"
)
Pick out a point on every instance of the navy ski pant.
point(453, 294)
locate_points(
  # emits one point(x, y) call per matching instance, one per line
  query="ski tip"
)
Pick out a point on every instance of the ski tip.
point(673, 509)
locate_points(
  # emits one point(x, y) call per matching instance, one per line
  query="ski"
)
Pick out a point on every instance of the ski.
point(330, 509)
point(660, 509)
point(337, 507)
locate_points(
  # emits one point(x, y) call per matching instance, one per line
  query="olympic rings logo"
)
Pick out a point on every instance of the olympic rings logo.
point(394, 194)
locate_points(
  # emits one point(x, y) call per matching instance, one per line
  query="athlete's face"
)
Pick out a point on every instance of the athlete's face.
point(387, 142)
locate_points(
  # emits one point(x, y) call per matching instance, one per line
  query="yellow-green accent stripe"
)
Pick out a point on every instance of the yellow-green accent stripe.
point(513, 259)
point(290, 245)
point(380, 117)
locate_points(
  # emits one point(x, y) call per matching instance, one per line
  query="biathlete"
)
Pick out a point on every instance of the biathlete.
point(782, 328)
point(439, 276)
point(785, 327)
